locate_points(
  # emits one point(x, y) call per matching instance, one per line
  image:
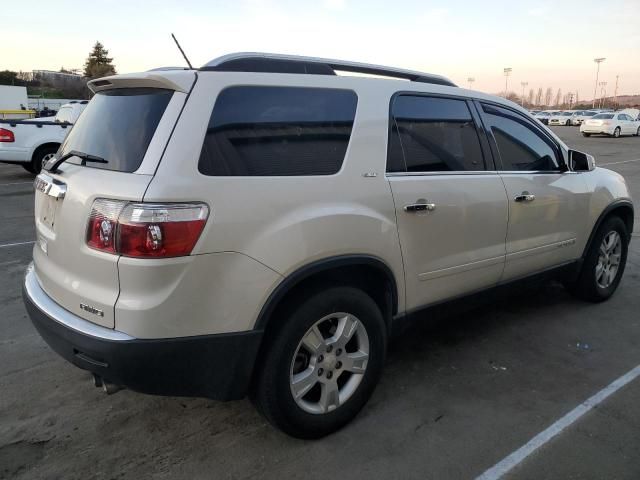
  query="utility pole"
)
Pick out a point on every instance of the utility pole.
point(595, 89)
point(570, 97)
point(524, 84)
point(470, 80)
point(603, 92)
point(507, 72)
point(615, 94)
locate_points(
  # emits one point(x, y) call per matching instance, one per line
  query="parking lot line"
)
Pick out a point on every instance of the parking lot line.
point(514, 459)
point(16, 244)
point(616, 163)
point(15, 183)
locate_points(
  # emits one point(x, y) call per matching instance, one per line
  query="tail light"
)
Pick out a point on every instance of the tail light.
point(6, 135)
point(145, 230)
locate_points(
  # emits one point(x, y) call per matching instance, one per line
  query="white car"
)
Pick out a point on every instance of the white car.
point(260, 224)
point(543, 117)
point(615, 124)
point(561, 118)
point(31, 143)
point(581, 116)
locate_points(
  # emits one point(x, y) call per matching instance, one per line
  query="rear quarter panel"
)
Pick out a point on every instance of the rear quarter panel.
point(288, 222)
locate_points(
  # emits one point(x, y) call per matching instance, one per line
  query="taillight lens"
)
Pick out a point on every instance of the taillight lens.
point(103, 224)
point(145, 230)
point(6, 135)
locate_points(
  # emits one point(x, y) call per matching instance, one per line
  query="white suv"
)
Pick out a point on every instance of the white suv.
point(259, 224)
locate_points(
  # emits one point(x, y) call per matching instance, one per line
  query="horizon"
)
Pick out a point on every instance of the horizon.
point(539, 43)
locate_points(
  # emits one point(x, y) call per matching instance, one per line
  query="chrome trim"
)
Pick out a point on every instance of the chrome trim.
point(50, 186)
point(55, 312)
point(440, 174)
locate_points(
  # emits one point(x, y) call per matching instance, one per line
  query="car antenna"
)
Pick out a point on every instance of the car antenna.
point(181, 51)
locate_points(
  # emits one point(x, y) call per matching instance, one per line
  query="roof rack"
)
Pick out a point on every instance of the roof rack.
point(276, 63)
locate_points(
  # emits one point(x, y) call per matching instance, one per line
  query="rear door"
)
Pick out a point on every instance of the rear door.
point(547, 204)
point(129, 128)
point(451, 205)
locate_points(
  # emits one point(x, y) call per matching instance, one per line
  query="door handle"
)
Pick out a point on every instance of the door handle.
point(420, 207)
point(525, 197)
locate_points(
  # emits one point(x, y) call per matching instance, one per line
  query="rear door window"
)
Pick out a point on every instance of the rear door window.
point(278, 131)
point(432, 134)
point(118, 125)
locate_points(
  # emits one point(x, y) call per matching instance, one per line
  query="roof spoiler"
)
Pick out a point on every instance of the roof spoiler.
point(168, 79)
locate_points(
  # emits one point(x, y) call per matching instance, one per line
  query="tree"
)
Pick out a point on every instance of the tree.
point(539, 97)
point(558, 97)
point(98, 64)
point(548, 96)
point(7, 77)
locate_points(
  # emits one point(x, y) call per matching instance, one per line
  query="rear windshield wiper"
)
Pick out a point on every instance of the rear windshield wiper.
point(53, 164)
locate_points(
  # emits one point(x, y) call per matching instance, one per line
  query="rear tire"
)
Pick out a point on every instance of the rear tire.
point(40, 158)
point(638, 132)
point(325, 401)
point(597, 279)
point(585, 134)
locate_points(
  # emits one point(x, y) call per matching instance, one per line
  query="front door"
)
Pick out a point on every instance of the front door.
point(451, 209)
point(547, 204)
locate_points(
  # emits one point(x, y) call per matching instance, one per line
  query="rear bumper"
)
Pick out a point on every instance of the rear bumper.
point(213, 366)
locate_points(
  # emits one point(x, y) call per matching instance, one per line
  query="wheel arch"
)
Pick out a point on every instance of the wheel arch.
point(36, 150)
point(368, 272)
point(619, 208)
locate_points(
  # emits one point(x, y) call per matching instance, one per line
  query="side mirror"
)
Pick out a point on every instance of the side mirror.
point(581, 162)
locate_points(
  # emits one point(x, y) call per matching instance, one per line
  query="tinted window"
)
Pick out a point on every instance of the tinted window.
point(605, 116)
point(118, 125)
point(265, 131)
point(431, 134)
point(520, 144)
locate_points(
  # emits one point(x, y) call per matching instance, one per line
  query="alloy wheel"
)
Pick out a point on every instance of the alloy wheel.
point(609, 260)
point(329, 363)
point(46, 158)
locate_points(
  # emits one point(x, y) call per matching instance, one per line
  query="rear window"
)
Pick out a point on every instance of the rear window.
point(118, 125)
point(605, 116)
point(278, 131)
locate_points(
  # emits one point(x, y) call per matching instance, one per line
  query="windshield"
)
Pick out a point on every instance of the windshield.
point(118, 125)
point(566, 114)
point(589, 114)
point(606, 116)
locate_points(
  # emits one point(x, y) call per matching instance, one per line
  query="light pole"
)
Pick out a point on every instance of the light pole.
point(595, 89)
point(615, 94)
point(470, 80)
point(603, 92)
point(507, 72)
point(524, 84)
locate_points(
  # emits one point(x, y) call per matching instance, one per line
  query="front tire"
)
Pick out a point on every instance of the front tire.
point(585, 134)
point(616, 132)
point(604, 263)
point(322, 364)
point(638, 132)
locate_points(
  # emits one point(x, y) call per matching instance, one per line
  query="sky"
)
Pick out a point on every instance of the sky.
point(546, 43)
